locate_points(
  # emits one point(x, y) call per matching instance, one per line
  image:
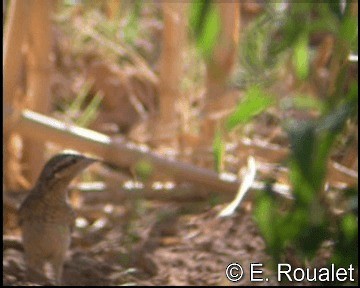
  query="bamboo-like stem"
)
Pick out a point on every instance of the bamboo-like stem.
point(171, 70)
point(221, 63)
point(219, 67)
point(43, 128)
point(112, 8)
point(15, 33)
point(119, 153)
point(39, 66)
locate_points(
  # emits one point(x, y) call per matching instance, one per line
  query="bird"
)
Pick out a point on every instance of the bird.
point(46, 219)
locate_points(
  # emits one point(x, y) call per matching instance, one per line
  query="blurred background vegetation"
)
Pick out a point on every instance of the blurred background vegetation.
point(216, 82)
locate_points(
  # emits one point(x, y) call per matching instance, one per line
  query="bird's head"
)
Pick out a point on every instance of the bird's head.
point(63, 167)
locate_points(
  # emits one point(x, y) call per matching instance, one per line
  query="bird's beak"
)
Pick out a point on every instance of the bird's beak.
point(92, 160)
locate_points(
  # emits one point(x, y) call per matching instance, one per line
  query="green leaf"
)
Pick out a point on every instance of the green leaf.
point(348, 29)
point(323, 148)
point(290, 226)
point(254, 102)
point(353, 94)
point(335, 8)
point(301, 56)
point(75, 106)
point(218, 151)
point(294, 26)
point(302, 141)
point(302, 184)
point(144, 169)
point(308, 102)
point(206, 23)
point(349, 226)
point(131, 29)
point(263, 214)
point(346, 246)
point(91, 110)
point(335, 120)
point(198, 12)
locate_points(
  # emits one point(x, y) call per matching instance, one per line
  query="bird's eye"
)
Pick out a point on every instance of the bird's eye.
point(73, 160)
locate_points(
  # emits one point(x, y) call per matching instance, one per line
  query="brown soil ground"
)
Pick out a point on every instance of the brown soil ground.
point(165, 244)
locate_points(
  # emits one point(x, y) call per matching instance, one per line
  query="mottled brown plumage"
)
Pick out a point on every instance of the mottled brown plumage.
point(45, 217)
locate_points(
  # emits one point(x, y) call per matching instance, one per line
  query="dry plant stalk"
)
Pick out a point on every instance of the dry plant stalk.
point(112, 8)
point(221, 64)
point(38, 79)
point(171, 68)
point(246, 184)
point(15, 33)
point(219, 67)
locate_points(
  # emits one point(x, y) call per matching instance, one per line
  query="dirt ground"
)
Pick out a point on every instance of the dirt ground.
point(167, 244)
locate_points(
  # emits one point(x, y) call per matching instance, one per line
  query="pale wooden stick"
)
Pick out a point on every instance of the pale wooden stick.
point(121, 153)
